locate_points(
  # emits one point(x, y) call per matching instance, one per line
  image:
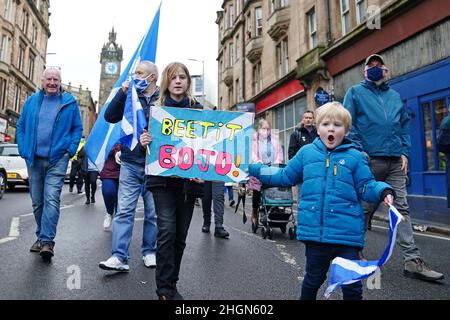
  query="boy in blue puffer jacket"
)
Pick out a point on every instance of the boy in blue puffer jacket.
point(335, 177)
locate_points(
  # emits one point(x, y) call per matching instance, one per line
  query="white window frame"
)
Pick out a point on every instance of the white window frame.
point(231, 12)
point(312, 27)
point(359, 4)
point(17, 94)
point(231, 53)
point(345, 16)
point(258, 22)
point(3, 93)
point(282, 56)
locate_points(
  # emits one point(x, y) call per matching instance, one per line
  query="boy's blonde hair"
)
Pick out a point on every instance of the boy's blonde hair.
point(334, 111)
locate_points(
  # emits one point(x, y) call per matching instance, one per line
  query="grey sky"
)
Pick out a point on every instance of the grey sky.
point(80, 28)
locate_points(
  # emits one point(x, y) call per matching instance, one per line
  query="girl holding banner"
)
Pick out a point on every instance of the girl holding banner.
point(174, 197)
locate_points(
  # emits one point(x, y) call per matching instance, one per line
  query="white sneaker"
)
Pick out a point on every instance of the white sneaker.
point(114, 264)
point(149, 260)
point(107, 222)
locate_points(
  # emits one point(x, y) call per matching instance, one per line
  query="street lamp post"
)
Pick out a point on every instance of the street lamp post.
point(203, 79)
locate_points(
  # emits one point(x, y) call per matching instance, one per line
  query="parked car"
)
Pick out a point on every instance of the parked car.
point(15, 166)
point(3, 181)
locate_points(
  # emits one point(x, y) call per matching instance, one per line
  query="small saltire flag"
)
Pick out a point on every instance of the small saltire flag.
point(344, 271)
point(104, 134)
point(134, 120)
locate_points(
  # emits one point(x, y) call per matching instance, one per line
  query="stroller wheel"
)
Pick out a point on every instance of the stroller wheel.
point(283, 229)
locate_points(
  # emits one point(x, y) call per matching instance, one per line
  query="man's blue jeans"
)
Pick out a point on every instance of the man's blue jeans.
point(46, 182)
point(131, 186)
point(318, 260)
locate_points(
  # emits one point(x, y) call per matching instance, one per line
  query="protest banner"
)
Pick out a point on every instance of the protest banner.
point(205, 144)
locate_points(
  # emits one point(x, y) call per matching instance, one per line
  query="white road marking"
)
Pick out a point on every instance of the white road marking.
point(5, 240)
point(418, 234)
point(14, 229)
point(62, 208)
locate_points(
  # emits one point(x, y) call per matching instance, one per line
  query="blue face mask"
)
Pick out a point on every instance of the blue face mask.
point(375, 74)
point(141, 84)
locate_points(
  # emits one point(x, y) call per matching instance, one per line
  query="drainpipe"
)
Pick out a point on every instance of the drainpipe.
point(329, 36)
point(243, 50)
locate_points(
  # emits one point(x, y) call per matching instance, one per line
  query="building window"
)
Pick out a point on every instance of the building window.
point(231, 15)
point(231, 53)
point(236, 51)
point(21, 58)
point(4, 49)
point(433, 114)
point(360, 11)
point(278, 4)
point(282, 58)
point(25, 22)
point(34, 34)
point(345, 16)
point(272, 5)
point(3, 93)
point(249, 25)
point(17, 94)
point(31, 67)
point(258, 20)
point(9, 10)
point(287, 116)
point(237, 91)
point(257, 78)
point(312, 25)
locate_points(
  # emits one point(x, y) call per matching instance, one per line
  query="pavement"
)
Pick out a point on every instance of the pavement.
point(428, 214)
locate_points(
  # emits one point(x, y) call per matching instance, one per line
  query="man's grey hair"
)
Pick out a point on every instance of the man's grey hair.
point(52, 68)
point(151, 67)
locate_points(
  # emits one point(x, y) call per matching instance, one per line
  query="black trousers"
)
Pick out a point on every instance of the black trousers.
point(90, 184)
point(174, 214)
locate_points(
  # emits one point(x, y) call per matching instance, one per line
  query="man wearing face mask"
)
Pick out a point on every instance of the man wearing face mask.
point(381, 129)
point(132, 177)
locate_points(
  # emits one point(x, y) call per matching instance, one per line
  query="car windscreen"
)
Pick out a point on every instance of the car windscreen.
point(10, 151)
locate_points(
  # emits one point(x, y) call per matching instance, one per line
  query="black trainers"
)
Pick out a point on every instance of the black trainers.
point(46, 252)
point(205, 228)
point(92, 200)
point(232, 203)
point(221, 233)
point(88, 201)
point(36, 247)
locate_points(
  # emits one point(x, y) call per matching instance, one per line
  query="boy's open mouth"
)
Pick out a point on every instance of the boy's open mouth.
point(330, 138)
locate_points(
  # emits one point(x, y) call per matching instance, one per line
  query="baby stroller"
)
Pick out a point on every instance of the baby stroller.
point(275, 211)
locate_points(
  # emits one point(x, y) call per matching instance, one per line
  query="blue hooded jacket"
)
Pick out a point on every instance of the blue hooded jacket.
point(380, 122)
point(334, 183)
point(67, 129)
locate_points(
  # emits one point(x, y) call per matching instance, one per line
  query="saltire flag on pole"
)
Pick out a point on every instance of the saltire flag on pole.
point(134, 120)
point(344, 271)
point(104, 134)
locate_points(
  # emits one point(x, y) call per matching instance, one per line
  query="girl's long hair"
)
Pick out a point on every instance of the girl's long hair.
point(169, 72)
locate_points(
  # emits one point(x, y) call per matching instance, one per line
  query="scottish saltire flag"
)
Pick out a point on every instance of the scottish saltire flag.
point(205, 144)
point(134, 120)
point(344, 271)
point(104, 134)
